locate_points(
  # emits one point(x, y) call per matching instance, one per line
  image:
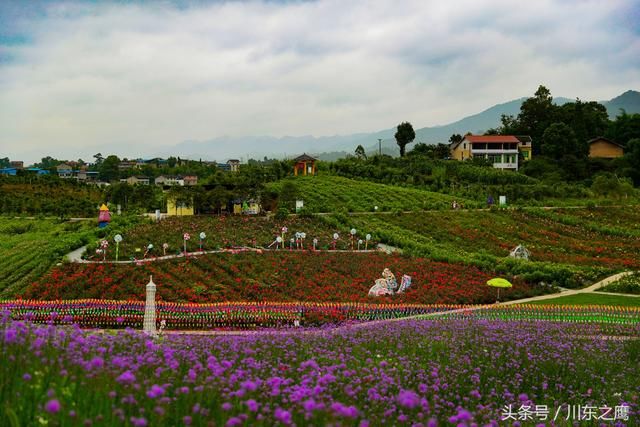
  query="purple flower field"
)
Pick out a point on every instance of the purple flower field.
point(428, 372)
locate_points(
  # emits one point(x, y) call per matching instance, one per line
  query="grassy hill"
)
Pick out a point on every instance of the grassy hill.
point(335, 194)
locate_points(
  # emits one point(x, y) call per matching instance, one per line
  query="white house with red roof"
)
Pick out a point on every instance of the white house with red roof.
point(502, 150)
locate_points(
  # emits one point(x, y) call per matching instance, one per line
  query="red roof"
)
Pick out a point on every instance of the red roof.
point(491, 138)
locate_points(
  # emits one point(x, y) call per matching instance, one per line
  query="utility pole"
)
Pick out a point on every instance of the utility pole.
point(379, 146)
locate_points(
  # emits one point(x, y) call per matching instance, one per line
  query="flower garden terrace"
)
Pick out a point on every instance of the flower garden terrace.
point(460, 372)
point(283, 276)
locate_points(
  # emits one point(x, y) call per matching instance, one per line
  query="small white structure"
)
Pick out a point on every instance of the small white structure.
point(299, 205)
point(149, 325)
point(520, 252)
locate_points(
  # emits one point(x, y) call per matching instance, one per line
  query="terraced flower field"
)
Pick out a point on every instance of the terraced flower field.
point(275, 276)
point(224, 232)
point(603, 237)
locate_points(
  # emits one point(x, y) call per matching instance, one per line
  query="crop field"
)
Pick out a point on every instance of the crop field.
point(29, 248)
point(334, 194)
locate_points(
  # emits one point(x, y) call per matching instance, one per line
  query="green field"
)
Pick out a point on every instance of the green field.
point(592, 299)
point(29, 248)
point(336, 194)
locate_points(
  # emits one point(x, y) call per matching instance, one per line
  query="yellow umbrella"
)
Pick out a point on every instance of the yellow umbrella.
point(499, 283)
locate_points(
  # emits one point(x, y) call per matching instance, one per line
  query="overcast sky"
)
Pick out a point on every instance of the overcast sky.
point(127, 77)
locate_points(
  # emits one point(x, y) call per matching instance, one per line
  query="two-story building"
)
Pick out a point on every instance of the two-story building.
point(136, 180)
point(65, 170)
point(503, 151)
point(169, 180)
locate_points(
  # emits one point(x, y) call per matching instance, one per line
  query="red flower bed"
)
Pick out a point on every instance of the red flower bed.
point(274, 276)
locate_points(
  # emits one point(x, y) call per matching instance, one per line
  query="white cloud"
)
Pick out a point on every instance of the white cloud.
point(129, 78)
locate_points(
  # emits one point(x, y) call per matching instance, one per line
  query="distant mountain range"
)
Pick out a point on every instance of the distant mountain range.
point(333, 147)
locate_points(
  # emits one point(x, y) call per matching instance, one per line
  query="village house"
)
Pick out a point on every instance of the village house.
point(178, 208)
point(18, 164)
point(9, 171)
point(136, 180)
point(234, 165)
point(65, 170)
point(125, 165)
point(604, 148)
point(503, 151)
point(85, 175)
point(190, 180)
point(169, 180)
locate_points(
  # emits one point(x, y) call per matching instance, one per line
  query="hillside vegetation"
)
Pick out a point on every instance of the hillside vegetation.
point(327, 193)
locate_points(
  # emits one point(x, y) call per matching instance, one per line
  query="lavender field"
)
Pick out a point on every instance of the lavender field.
point(430, 373)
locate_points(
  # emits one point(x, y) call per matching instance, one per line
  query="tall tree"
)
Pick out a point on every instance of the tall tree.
point(404, 135)
point(587, 119)
point(536, 114)
point(456, 137)
point(559, 141)
point(109, 168)
point(632, 157)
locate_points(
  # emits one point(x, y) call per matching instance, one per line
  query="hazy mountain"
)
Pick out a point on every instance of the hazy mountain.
point(332, 147)
point(628, 101)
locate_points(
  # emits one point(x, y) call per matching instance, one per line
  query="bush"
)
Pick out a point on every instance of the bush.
point(282, 213)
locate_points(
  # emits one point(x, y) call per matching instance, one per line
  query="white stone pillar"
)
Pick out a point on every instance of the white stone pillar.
point(149, 325)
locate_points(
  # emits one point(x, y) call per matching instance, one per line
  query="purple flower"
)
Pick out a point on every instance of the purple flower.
point(10, 335)
point(52, 406)
point(283, 416)
point(126, 377)
point(250, 385)
point(26, 377)
point(138, 422)
point(233, 421)
point(252, 405)
point(408, 399)
point(226, 406)
point(97, 362)
point(155, 391)
point(187, 420)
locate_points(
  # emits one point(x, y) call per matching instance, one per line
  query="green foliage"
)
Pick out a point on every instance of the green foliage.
point(404, 135)
point(49, 196)
point(29, 248)
point(360, 153)
point(608, 185)
point(333, 194)
point(629, 284)
point(282, 213)
point(559, 140)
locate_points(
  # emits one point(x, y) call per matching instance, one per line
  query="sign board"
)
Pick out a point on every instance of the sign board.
point(503, 200)
point(299, 205)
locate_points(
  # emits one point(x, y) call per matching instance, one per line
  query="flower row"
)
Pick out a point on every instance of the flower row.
point(119, 314)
